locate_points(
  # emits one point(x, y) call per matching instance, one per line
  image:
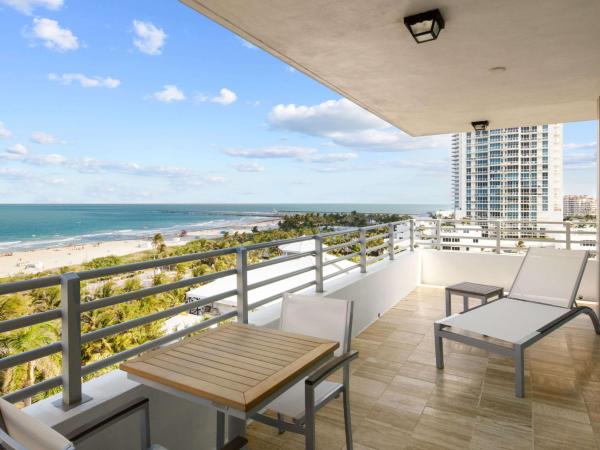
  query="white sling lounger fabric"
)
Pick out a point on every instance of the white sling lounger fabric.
point(549, 275)
point(506, 319)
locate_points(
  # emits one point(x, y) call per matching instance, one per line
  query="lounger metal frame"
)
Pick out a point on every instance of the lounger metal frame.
point(516, 350)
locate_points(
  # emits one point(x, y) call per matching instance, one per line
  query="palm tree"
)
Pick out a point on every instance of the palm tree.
point(23, 340)
point(158, 242)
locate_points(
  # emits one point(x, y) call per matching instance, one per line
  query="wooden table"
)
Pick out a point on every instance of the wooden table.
point(236, 369)
point(467, 290)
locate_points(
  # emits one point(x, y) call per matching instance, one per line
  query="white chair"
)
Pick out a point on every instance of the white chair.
point(20, 431)
point(541, 299)
point(325, 318)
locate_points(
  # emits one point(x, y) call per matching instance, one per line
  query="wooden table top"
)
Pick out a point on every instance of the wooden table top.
point(234, 365)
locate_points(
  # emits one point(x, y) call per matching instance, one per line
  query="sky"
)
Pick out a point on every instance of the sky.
point(128, 101)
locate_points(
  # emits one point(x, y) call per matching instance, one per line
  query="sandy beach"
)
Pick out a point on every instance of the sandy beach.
point(34, 261)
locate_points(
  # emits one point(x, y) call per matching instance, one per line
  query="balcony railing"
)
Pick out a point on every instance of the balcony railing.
point(363, 246)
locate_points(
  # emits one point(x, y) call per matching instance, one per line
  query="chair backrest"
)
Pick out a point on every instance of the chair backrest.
point(27, 432)
point(551, 276)
point(322, 317)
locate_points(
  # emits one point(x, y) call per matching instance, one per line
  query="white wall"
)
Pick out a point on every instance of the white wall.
point(445, 268)
point(376, 291)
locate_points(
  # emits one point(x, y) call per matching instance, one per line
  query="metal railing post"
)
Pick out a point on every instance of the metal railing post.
point(568, 235)
point(438, 233)
point(70, 299)
point(241, 264)
point(319, 263)
point(412, 235)
point(363, 250)
point(392, 233)
point(498, 237)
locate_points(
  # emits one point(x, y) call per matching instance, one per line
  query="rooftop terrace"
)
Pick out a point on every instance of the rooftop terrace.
point(399, 399)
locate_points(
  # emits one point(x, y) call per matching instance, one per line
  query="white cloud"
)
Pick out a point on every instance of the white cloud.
point(585, 145)
point(579, 161)
point(248, 167)
point(17, 149)
point(27, 6)
point(14, 174)
point(84, 81)
point(327, 158)
point(225, 97)
point(53, 36)
point(247, 44)
point(169, 94)
point(272, 152)
point(423, 165)
point(39, 137)
point(349, 125)
point(5, 133)
point(150, 39)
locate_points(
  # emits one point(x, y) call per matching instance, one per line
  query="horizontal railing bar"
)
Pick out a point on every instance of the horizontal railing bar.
point(31, 355)
point(377, 247)
point(124, 326)
point(341, 271)
point(341, 258)
point(280, 277)
point(377, 236)
point(36, 388)
point(152, 263)
point(331, 248)
point(576, 231)
point(26, 285)
point(338, 233)
point(27, 321)
point(374, 227)
point(280, 259)
point(276, 296)
point(141, 293)
point(279, 242)
point(149, 345)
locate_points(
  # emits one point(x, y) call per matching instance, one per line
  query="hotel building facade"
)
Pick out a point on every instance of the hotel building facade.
point(579, 206)
point(508, 173)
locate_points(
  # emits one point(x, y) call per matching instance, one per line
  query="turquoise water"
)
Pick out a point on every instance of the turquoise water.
point(33, 226)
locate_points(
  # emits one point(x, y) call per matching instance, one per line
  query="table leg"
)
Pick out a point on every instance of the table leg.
point(220, 429)
point(235, 427)
point(465, 302)
point(448, 306)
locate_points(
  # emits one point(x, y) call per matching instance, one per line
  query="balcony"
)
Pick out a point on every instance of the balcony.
point(393, 273)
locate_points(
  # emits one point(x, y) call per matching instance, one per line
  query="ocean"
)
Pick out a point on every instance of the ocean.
point(25, 227)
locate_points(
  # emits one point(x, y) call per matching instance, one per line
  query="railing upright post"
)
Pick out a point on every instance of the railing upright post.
point(363, 250)
point(568, 235)
point(392, 233)
point(319, 263)
point(70, 299)
point(498, 237)
point(438, 233)
point(412, 235)
point(242, 284)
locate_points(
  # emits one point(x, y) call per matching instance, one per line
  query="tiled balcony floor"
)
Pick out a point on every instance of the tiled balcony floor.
point(401, 401)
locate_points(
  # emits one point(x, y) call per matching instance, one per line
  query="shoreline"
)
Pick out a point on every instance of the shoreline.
point(29, 262)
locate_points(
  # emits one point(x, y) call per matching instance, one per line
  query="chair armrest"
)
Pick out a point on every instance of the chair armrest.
point(331, 366)
point(107, 419)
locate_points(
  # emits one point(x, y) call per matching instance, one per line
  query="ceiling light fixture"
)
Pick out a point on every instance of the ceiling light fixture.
point(426, 26)
point(480, 125)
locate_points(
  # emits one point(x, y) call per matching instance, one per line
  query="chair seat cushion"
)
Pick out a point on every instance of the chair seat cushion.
point(291, 402)
point(506, 319)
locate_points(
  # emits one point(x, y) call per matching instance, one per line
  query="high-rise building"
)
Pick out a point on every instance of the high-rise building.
point(508, 173)
point(579, 205)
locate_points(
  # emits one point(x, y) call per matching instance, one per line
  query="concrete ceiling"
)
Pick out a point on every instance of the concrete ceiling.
point(362, 50)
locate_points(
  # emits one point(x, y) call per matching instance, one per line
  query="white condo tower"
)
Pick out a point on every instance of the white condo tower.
point(509, 173)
